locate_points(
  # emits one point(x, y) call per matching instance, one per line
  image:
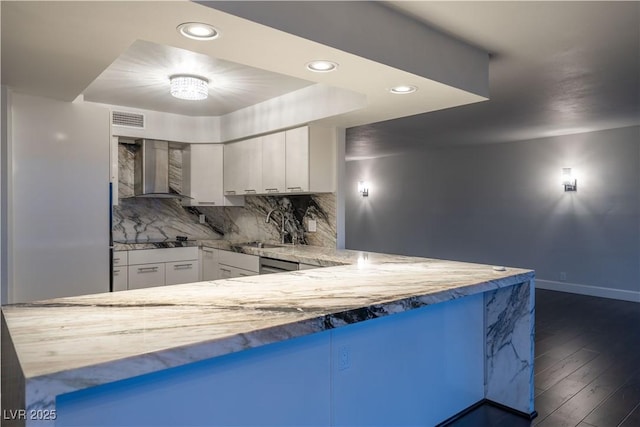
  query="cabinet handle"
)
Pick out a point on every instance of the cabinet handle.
point(230, 192)
point(116, 260)
point(147, 269)
point(116, 272)
point(207, 203)
point(224, 269)
point(271, 190)
point(182, 266)
point(250, 191)
point(294, 188)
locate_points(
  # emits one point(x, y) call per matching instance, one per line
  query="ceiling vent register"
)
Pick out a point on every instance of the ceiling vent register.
point(130, 120)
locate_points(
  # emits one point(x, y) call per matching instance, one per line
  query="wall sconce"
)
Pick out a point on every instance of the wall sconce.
point(568, 180)
point(363, 188)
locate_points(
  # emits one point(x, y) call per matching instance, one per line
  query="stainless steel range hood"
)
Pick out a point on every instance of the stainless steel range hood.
point(151, 170)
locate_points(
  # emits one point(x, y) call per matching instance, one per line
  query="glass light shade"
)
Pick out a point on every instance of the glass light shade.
point(322, 66)
point(403, 89)
point(567, 177)
point(363, 188)
point(198, 31)
point(191, 88)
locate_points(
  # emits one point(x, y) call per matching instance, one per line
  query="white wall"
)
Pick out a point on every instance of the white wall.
point(59, 199)
point(504, 204)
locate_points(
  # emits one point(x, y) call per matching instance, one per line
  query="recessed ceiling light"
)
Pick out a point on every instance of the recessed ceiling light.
point(191, 88)
point(403, 89)
point(198, 31)
point(322, 66)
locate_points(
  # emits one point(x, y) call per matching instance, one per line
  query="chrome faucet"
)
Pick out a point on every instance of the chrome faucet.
point(282, 230)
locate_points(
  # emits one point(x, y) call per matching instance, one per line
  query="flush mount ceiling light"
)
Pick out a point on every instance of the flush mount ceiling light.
point(191, 88)
point(403, 89)
point(322, 66)
point(198, 31)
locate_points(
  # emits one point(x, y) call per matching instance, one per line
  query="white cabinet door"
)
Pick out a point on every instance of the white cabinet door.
point(202, 174)
point(181, 272)
point(120, 279)
point(146, 275)
point(210, 264)
point(252, 152)
point(297, 159)
point(243, 167)
point(273, 163)
point(234, 179)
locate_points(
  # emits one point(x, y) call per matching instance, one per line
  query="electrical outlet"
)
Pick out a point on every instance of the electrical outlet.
point(563, 276)
point(344, 358)
point(202, 219)
point(312, 226)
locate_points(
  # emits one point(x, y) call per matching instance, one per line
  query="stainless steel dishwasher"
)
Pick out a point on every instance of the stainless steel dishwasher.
point(270, 265)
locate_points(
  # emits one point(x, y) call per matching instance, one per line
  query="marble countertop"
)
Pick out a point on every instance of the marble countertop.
point(314, 255)
point(72, 343)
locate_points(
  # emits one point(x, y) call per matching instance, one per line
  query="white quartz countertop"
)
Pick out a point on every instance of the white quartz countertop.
point(78, 342)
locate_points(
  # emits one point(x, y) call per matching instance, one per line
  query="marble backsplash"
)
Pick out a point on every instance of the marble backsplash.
point(142, 219)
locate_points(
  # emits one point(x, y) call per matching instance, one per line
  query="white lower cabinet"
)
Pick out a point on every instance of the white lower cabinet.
point(228, 272)
point(234, 264)
point(119, 271)
point(181, 272)
point(155, 267)
point(120, 279)
point(209, 263)
point(146, 275)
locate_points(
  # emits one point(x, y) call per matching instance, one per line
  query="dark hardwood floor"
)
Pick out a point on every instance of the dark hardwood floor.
point(587, 365)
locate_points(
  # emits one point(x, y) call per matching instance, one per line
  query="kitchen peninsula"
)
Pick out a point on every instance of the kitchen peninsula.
point(374, 339)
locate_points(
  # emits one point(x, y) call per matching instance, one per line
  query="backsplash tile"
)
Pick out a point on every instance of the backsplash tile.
point(141, 220)
point(248, 223)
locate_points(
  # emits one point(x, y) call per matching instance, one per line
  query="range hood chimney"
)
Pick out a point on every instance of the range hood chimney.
point(151, 170)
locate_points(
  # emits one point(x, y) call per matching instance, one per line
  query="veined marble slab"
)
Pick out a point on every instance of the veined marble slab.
point(73, 343)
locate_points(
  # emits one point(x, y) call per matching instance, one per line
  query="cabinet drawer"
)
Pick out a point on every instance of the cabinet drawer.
point(151, 256)
point(228, 272)
point(243, 261)
point(181, 272)
point(120, 279)
point(120, 258)
point(146, 275)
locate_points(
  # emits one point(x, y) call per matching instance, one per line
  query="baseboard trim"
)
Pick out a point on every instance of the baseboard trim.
point(594, 291)
point(476, 405)
point(528, 416)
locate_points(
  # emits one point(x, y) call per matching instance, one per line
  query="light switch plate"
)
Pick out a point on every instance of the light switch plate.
point(312, 226)
point(203, 219)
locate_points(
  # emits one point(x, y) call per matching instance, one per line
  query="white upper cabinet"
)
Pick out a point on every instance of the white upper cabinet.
point(273, 163)
point(202, 176)
point(233, 178)
point(253, 168)
point(300, 160)
point(297, 159)
point(243, 167)
point(310, 160)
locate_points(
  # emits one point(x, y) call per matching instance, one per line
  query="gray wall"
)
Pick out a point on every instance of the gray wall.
point(504, 204)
